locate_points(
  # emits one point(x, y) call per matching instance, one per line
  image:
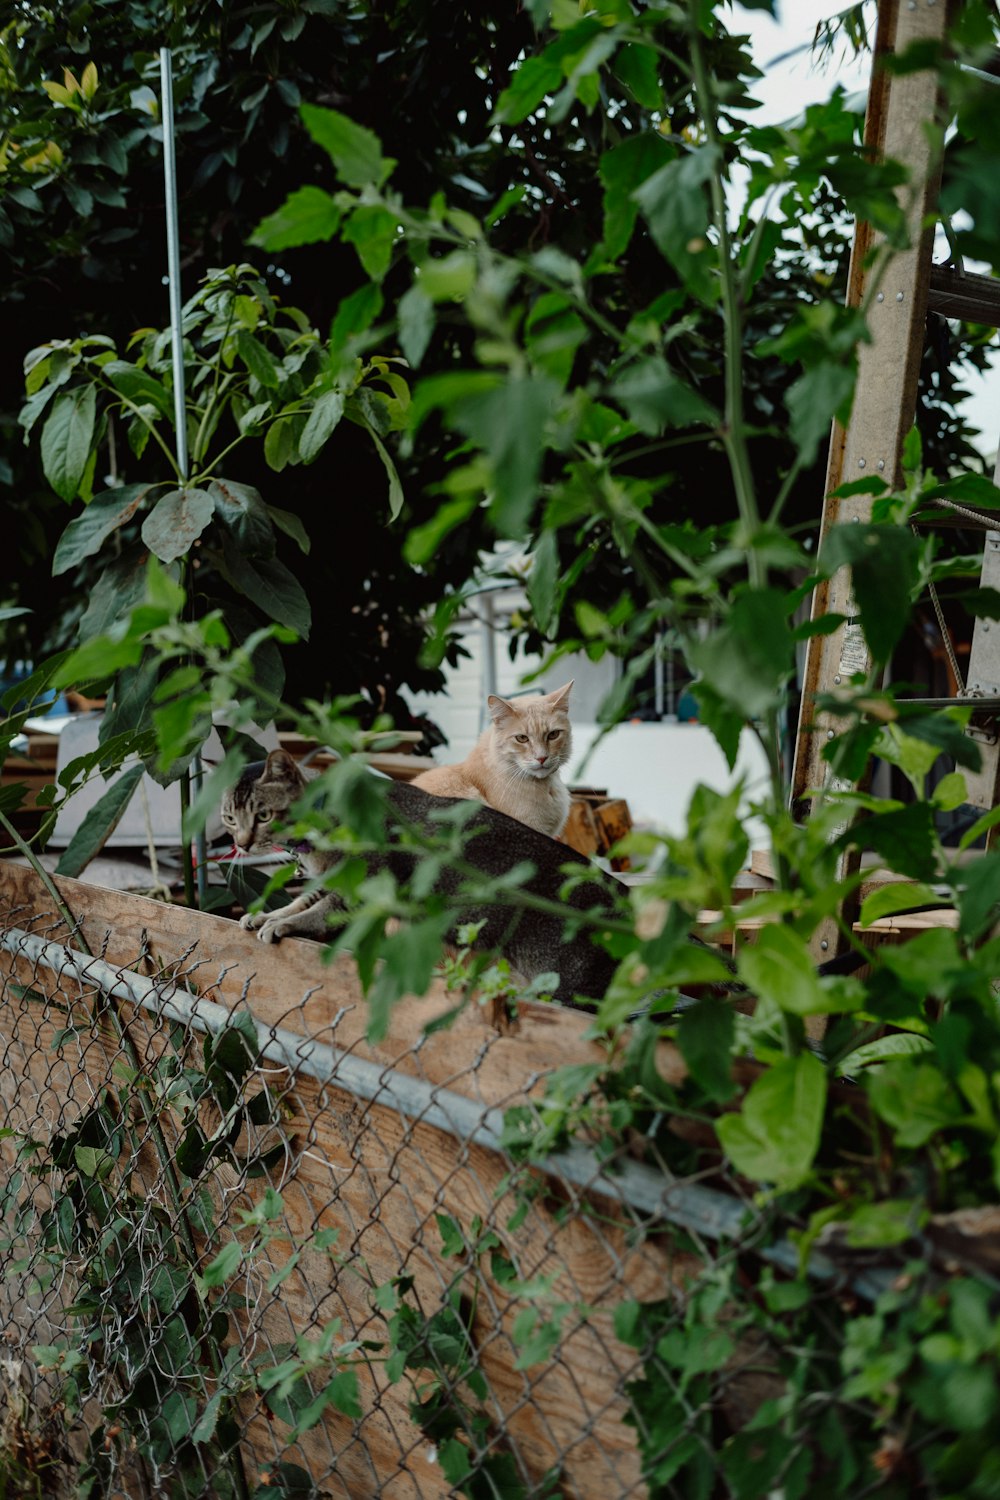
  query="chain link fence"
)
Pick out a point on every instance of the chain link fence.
point(247, 1253)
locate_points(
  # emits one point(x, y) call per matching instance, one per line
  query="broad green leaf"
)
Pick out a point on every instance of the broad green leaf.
point(422, 542)
point(291, 525)
point(780, 968)
point(105, 514)
point(138, 385)
point(396, 496)
point(534, 80)
point(371, 229)
point(99, 823)
point(416, 324)
point(747, 661)
point(705, 1036)
point(623, 169)
point(915, 1099)
point(654, 398)
point(66, 439)
point(542, 580)
point(225, 1264)
point(674, 202)
point(638, 68)
point(776, 1135)
point(553, 332)
point(355, 151)
point(508, 422)
point(978, 896)
point(306, 216)
point(905, 837)
point(899, 896)
point(279, 444)
point(821, 393)
point(242, 511)
point(270, 586)
point(355, 314)
point(258, 359)
point(322, 420)
point(176, 521)
point(884, 563)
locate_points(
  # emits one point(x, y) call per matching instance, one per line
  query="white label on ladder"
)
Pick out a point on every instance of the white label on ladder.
point(853, 650)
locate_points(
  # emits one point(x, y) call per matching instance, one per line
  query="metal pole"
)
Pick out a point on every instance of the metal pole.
point(648, 1190)
point(177, 352)
point(173, 256)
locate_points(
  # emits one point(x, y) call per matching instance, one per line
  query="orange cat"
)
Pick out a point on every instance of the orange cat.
point(514, 765)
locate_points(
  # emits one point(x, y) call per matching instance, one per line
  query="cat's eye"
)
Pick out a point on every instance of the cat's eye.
point(229, 821)
point(522, 739)
point(265, 817)
point(554, 734)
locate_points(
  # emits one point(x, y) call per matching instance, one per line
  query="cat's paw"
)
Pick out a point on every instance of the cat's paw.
point(251, 920)
point(273, 932)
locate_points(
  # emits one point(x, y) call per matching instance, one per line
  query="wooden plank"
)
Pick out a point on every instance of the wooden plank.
point(290, 985)
point(378, 1179)
point(888, 367)
point(613, 821)
point(581, 832)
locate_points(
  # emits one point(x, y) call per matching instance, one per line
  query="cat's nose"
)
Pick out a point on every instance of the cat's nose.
point(541, 759)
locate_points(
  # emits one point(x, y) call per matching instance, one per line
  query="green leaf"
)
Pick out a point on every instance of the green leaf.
point(291, 525)
point(747, 661)
point(66, 439)
point(915, 1099)
point(138, 385)
point(258, 359)
point(705, 1037)
point(654, 398)
point(322, 420)
point(416, 324)
point(623, 169)
point(176, 521)
point(638, 68)
point(355, 152)
point(899, 896)
point(542, 581)
point(534, 79)
point(905, 837)
point(279, 444)
point(884, 563)
point(674, 202)
point(225, 1264)
point(780, 968)
point(306, 216)
point(821, 393)
point(371, 229)
point(270, 586)
point(241, 510)
point(508, 422)
point(355, 314)
point(978, 896)
point(105, 514)
point(99, 823)
point(776, 1135)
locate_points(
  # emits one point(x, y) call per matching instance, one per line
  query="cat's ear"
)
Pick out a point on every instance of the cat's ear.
point(280, 766)
point(499, 708)
point(560, 698)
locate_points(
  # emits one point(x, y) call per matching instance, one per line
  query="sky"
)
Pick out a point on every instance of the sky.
point(792, 82)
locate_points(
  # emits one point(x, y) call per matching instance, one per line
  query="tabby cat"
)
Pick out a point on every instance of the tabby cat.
point(534, 942)
point(514, 765)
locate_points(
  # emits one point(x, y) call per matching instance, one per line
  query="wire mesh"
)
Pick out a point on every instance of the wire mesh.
point(245, 1254)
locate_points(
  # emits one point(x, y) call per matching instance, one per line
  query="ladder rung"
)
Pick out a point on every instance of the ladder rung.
point(982, 705)
point(965, 295)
